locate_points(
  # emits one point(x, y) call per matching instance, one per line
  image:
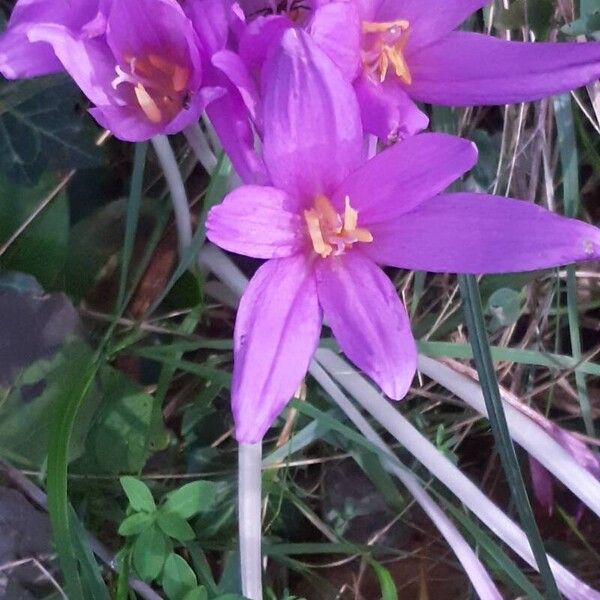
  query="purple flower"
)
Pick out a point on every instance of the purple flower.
point(400, 51)
point(410, 51)
point(329, 219)
point(144, 73)
point(20, 59)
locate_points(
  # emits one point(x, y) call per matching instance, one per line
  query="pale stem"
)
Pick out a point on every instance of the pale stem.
point(483, 584)
point(249, 516)
point(528, 434)
point(168, 162)
point(200, 146)
point(450, 475)
point(223, 267)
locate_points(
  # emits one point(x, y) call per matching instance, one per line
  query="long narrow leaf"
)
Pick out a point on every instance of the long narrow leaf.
point(485, 367)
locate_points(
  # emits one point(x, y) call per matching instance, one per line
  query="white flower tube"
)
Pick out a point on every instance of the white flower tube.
point(450, 475)
point(199, 145)
point(249, 515)
point(179, 199)
point(482, 582)
point(528, 434)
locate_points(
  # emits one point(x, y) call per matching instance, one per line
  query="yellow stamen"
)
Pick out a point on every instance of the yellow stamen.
point(396, 57)
point(180, 78)
point(316, 235)
point(327, 230)
point(387, 48)
point(147, 104)
point(384, 26)
point(327, 213)
point(350, 216)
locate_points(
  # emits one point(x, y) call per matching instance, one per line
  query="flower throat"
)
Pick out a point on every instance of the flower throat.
point(329, 232)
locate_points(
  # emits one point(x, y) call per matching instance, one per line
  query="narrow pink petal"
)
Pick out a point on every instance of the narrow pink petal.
point(276, 334)
point(542, 484)
point(230, 118)
point(477, 233)
point(411, 171)
point(344, 50)
point(19, 58)
point(232, 66)
point(88, 61)
point(368, 320)
point(210, 20)
point(429, 20)
point(259, 36)
point(313, 133)
point(387, 111)
point(465, 69)
point(262, 222)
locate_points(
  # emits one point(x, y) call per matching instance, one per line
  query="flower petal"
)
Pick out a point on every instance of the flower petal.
point(142, 27)
point(477, 233)
point(276, 333)
point(465, 69)
point(210, 20)
point(313, 133)
point(259, 36)
point(88, 61)
point(230, 118)
point(368, 320)
point(262, 222)
point(387, 111)
point(429, 21)
point(343, 49)
point(411, 171)
point(231, 65)
point(19, 58)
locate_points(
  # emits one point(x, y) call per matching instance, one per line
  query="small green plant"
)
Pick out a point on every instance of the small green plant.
point(154, 531)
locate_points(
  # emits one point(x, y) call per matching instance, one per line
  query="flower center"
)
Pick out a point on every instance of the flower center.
point(159, 85)
point(329, 232)
point(384, 45)
point(295, 10)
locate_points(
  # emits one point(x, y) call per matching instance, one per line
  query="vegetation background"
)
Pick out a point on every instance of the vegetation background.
point(115, 368)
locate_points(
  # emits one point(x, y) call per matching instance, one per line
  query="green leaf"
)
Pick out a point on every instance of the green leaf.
point(178, 578)
point(198, 593)
point(190, 499)
point(43, 126)
point(119, 441)
point(42, 247)
point(136, 523)
point(150, 550)
point(139, 495)
point(77, 377)
point(91, 577)
point(504, 307)
point(386, 582)
point(174, 526)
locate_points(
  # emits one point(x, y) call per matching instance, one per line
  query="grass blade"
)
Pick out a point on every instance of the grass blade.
point(132, 217)
point(569, 160)
point(78, 378)
point(487, 377)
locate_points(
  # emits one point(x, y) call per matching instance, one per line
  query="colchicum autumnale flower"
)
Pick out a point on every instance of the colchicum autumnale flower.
point(400, 51)
point(329, 219)
point(143, 71)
